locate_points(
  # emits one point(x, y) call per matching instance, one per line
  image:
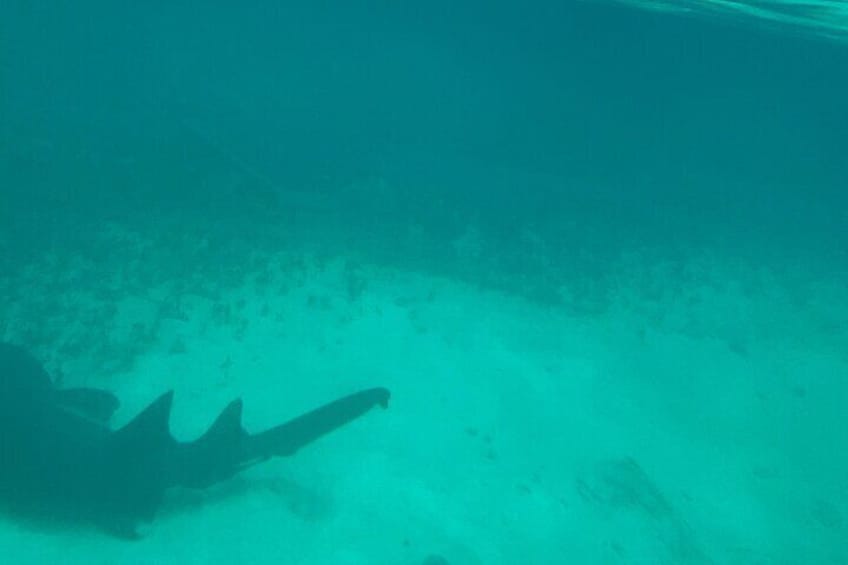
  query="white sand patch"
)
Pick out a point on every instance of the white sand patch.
point(680, 426)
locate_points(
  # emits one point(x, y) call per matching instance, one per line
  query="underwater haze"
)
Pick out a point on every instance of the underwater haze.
point(597, 251)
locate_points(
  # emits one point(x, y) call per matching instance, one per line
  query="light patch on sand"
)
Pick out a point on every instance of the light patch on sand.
point(680, 425)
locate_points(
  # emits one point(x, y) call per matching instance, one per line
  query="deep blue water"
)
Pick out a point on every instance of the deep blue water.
point(627, 126)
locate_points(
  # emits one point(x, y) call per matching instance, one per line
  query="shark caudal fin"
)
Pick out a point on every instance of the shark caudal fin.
point(285, 439)
point(226, 448)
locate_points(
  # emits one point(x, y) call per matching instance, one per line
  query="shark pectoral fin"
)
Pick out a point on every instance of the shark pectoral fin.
point(286, 439)
point(92, 403)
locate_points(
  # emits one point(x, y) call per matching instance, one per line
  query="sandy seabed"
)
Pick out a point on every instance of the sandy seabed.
point(695, 418)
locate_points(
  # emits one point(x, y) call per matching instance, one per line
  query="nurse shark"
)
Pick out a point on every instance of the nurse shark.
point(59, 456)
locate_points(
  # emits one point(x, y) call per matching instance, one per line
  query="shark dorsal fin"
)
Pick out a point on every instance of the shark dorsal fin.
point(152, 422)
point(216, 455)
point(227, 424)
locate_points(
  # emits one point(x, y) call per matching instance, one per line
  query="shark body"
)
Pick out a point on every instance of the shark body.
point(58, 453)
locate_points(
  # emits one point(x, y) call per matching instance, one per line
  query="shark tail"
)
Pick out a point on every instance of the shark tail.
point(226, 448)
point(286, 439)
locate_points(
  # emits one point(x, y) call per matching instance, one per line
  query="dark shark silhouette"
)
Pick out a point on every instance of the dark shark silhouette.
point(58, 454)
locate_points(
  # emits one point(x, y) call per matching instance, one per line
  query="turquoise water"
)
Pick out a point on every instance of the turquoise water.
point(596, 250)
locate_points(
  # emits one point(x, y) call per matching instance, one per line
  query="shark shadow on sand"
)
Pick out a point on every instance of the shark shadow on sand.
point(59, 457)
